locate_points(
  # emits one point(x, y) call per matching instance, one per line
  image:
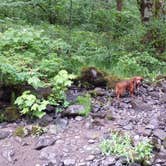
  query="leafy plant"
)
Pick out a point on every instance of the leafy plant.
point(86, 102)
point(30, 105)
point(37, 130)
point(121, 145)
point(60, 84)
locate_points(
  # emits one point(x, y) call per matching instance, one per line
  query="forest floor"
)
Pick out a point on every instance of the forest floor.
point(75, 140)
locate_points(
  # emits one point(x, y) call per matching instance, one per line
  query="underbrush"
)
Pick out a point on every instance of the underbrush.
point(122, 146)
point(35, 54)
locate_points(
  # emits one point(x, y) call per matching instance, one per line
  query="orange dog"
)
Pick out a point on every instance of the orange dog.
point(128, 85)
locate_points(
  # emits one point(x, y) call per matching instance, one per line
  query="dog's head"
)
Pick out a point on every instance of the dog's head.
point(138, 80)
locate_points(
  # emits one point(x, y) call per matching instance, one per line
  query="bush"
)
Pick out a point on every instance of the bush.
point(122, 146)
point(30, 105)
point(60, 84)
point(86, 102)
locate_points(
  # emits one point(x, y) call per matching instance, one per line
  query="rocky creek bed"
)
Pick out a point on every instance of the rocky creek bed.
point(73, 140)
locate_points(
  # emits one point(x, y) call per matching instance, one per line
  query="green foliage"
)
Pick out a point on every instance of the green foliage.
point(2, 117)
point(86, 102)
point(37, 130)
point(30, 105)
point(60, 84)
point(21, 131)
point(121, 145)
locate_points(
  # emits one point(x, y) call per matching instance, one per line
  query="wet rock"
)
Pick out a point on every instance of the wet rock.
point(44, 141)
point(69, 162)
point(160, 134)
point(138, 105)
point(74, 110)
point(8, 155)
point(4, 134)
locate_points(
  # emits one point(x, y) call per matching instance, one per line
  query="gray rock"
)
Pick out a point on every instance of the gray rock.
point(138, 105)
point(162, 99)
point(134, 164)
point(154, 95)
point(62, 123)
point(90, 158)
point(98, 91)
point(128, 127)
point(74, 110)
point(8, 155)
point(78, 118)
point(44, 141)
point(109, 161)
point(69, 162)
point(45, 120)
point(163, 86)
point(160, 134)
point(4, 134)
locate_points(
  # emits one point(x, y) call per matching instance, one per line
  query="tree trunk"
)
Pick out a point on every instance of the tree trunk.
point(119, 5)
point(146, 8)
point(151, 8)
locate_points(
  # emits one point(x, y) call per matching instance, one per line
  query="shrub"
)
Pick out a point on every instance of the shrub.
point(60, 84)
point(30, 105)
point(121, 145)
point(86, 102)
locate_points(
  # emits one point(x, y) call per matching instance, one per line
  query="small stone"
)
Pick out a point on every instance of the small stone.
point(44, 142)
point(78, 118)
point(69, 162)
point(150, 126)
point(52, 129)
point(90, 158)
point(4, 134)
point(128, 127)
point(160, 134)
point(109, 161)
point(8, 154)
point(91, 141)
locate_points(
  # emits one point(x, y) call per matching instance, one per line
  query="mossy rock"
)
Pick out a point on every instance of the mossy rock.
point(112, 80)
point(21, 132)
point(91, 76)
point(11, 114)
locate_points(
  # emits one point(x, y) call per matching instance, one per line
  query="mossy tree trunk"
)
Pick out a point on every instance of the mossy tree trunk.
point(151, 9)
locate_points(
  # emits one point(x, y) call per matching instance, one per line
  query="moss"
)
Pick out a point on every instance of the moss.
point(112, 80)
point(21, 132)
point(92, 76)
point(11, 114)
